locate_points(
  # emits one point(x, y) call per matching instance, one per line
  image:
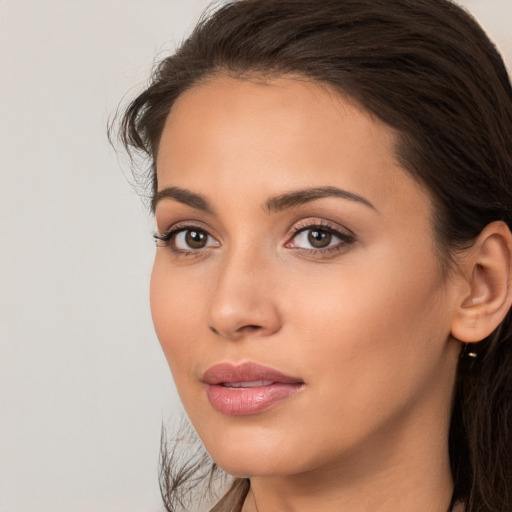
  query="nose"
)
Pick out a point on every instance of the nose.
point(244, 301)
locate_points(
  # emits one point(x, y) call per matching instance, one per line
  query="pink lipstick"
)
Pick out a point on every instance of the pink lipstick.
point(247, 388)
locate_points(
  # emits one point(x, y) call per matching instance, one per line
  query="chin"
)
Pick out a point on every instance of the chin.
point(244, 466)
point(248, 455)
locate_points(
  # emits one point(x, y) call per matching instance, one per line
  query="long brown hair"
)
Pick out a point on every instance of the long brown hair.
point(428, 70)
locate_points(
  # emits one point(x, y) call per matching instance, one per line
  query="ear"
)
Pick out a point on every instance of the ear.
point(487, 295)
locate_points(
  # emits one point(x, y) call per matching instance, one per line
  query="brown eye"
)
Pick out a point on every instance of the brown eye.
point(196, 239)
point(319, 238)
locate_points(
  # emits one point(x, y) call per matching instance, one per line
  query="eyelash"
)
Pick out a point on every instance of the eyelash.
point(167, 239)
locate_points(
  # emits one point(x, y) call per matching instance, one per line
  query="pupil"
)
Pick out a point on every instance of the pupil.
point(319, 239)
point(195, 239)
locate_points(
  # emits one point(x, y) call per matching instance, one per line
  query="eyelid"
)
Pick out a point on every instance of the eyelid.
point(318, 222)
point(172, 227)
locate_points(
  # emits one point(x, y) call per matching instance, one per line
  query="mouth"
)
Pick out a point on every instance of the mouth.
point(253, 384)
point(247, 389)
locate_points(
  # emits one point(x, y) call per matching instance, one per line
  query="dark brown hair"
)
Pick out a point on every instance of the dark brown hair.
point(428, 70)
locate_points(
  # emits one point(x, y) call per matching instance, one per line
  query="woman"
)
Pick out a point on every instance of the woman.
point(332, 187)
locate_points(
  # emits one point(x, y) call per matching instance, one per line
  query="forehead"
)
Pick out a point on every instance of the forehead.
point(293, 107)
point(228, 134)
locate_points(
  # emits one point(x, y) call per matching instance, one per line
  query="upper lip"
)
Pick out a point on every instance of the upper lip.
point(225, 373)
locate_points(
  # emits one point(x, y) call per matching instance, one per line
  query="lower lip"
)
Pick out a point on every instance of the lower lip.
point(248, 401)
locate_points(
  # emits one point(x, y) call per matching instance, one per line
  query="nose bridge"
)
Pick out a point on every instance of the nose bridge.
point(243, 299)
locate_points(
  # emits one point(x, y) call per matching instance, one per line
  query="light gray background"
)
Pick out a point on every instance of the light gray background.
point(83, 384)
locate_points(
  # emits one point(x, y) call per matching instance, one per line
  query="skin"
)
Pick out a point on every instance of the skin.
point(364, 322)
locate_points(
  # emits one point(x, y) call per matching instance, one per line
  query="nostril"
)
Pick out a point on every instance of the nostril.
point(248, 328)
point(237, 332)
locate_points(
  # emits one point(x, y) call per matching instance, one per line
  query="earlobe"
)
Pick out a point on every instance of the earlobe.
point(488, 297)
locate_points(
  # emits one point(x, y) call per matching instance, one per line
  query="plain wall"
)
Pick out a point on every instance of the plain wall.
point(83, 384)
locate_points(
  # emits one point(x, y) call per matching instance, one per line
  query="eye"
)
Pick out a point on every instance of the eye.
point(319, 237)
point(186, 239)
point(316, 238)
point(192, 239)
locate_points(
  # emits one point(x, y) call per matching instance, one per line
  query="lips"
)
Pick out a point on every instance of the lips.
point(246, 389)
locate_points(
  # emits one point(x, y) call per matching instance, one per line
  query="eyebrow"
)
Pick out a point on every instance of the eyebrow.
point(183, 196)
point(300, 197)
point(272, 205)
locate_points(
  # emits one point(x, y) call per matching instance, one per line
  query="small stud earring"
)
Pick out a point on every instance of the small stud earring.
point(467, 353)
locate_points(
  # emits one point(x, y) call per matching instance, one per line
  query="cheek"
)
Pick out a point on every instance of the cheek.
point(373, 316)
point(174, 309)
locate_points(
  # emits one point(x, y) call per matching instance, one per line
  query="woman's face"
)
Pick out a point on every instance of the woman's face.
point(296, 290)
